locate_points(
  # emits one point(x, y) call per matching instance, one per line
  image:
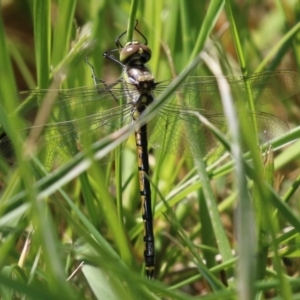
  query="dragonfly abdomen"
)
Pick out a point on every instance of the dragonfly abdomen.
point(145, 192)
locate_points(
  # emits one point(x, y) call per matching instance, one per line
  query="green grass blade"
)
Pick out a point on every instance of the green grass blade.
point(280, 49)
point(7, 86)
point(42, 36)
point(62, 31)
point(132, 19)
point(213, 12)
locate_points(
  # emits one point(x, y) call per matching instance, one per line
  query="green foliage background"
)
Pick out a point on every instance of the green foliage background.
point(51, 223)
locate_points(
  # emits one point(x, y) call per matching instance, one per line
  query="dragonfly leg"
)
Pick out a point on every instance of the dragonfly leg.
point(95, 79)
point(110, 55)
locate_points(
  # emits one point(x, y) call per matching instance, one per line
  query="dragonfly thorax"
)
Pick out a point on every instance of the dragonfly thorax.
point(140, 84)
point(139, 76)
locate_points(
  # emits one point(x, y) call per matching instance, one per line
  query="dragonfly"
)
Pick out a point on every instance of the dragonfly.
point(94, 112)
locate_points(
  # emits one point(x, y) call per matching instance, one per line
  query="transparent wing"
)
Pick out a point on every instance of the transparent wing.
point(84, 115)
point(177, 131)
point(65, 139)
point(181, 130)
point(78, 118)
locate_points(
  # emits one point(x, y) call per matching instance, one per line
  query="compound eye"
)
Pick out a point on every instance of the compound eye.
point(145, 53)
point(134, 51)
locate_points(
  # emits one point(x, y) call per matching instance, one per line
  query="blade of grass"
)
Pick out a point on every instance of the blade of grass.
point(245, 217)
point(279, 49)
point(89, 198)
point(153, 11)
point(238, 47)
point(214, 282)
point(62, 30)
point(132, 19)
point(262, 207)
point(7, 86)
point(9, 123)
point(267, 226)
point(210, 20)
point(42, 38)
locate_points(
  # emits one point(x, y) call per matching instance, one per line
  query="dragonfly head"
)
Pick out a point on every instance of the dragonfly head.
point(135, 53)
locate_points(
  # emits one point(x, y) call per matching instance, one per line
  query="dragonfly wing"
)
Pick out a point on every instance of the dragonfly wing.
point(268, 87)
point(63, 141)
point(78, 118)
point(269, 127)
point(265, 88)
point(178, 130)
point(202, 94)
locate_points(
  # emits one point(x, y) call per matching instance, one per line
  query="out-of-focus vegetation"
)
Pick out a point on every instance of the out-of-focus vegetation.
point(78, 235)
